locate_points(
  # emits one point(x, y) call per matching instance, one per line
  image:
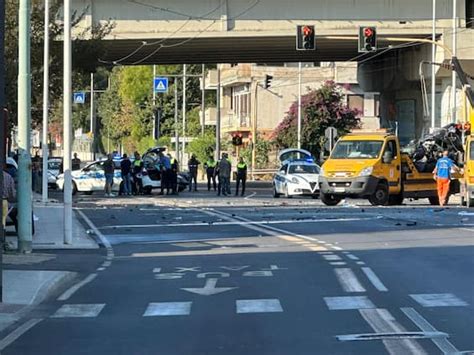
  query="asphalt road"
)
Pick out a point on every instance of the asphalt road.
point(197, 274)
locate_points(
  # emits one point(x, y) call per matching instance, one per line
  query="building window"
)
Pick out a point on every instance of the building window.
point(470, 13)
point(356, 102)
point(241, 105)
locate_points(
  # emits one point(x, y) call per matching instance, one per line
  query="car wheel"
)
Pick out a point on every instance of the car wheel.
point(330, 200)
point(275, 193)
point(380, 197)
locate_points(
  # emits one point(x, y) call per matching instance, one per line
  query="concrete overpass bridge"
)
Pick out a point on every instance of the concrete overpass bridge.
point(231, 31)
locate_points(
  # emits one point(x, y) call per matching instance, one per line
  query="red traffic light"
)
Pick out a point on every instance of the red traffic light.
point(368, 32)
point(307, 30)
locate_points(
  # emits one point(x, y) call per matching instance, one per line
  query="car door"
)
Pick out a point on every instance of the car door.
point(393, 166)
point(280, 178)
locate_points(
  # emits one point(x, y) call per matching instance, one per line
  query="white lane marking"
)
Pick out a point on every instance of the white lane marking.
point(90, 310)
point(348, 280)
point(360, 263)
point(338, 263)
point(106, 263)
point(444, 345)
point(103, 239)
point(250, 196)
point(352, 257)
point(382, 321)
point(258, 306)
point(326, 253)
point(374, 279)
point(209, 288)
point(337, 248)
point(69, 292)
point(100, 269)
point(232, 222)
point(160, 309)
point(332, 257)
point(18, 332)
point(438, 300)
point(391, 336)
point(348, 302)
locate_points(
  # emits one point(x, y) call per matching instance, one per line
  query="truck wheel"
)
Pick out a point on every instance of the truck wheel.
point(330, 200)
point(434, 200)
point(395, 200)
point(380, 197)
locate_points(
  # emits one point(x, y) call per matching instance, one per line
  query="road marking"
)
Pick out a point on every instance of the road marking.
point(209, 288)
point(18, 332)
point(161, 309)
point(79, 310)
point(258, 273)
point(156, 270)
point(106, 263)
point(352, 257)
point(250, 196)
point(391, 336)
point(348, 302)
point(348, 280)
point(235, 268)
point(69, 292)
point(338, 263)
point(100, 269)
point(103, 239)
point(258, 306)
point(316, 248)
point(332, 257)
point(374, 279)
point(382, 321)
point(337, 248)
point(360, 263)
point(438, 300)
point(444, 345)
point(190, 269)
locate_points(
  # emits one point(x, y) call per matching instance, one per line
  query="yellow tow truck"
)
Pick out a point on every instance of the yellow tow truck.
point(370, 164)
point(467, 181)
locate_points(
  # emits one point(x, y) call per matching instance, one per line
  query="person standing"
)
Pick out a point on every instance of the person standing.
point(76, 163)
point(210, 167)
point(224, 169)
point(109, 170)
point(241, 176)
point(9, 195)
point(193, 165)
point(442, 175)
point(173, 174)
point(36, 172)
point(137, 173)
point(125, 170)
point(164, 166)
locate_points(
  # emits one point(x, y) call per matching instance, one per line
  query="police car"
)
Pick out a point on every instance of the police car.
point(91, 178)
point(298, 174)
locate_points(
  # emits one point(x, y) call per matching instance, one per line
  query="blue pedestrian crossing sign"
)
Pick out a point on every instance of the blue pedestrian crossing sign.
point(160, 85)
point(79, 97)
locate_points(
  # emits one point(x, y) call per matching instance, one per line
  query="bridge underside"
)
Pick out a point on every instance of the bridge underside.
point(229, 50)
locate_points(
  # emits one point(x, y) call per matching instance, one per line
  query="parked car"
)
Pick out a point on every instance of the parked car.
point(298, 174)
point(91, 178)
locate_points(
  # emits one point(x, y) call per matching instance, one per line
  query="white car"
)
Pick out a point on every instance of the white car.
point(91, 178)
point(54, 166)
point(297, 176)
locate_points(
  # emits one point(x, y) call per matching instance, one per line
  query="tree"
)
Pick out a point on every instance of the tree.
point(321, 108)
point(85, 56)
point(262, 151)
point(203, 146)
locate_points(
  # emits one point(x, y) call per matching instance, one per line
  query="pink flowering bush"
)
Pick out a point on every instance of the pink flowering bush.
point(321, 108)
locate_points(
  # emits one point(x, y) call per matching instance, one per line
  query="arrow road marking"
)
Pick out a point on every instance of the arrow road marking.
point(209, 288)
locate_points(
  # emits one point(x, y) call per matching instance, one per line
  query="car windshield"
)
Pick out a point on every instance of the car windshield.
point(357, 149)
point(303, 169)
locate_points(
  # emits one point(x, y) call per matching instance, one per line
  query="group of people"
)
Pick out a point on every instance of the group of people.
point(218, 174)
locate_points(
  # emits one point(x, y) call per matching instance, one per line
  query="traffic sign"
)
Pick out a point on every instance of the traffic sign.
point(79, 97)
point(160, 85)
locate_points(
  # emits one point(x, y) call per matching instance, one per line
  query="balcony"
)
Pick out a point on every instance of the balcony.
point(234, 76)
point(211, 80)
point(232, 123)
point(210, 116)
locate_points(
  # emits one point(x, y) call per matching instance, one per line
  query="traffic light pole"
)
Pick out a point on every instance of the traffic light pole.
point(203, 99)
point(44, 195)
point(184, 116)
point(433, 69)
point(453, 74)
point(299, 105)
point(2, 131)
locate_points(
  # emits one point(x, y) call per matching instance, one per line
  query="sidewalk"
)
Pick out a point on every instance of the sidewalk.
point(30, 286)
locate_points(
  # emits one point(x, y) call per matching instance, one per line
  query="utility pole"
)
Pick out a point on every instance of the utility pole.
point(176, 131)
point(92, 127)
point(44, 194)
point(153, 133)
point(453, 75)
point(184, 114)
point(433, 70)
point(203, 99)
point(218, 118)
point(24, 126)
point(3, 132)
point(67, 113)
point(299, 105)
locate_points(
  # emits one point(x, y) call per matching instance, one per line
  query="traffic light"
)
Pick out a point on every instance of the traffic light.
point(268, 81)
point(305, 38)
point(367, 39)
point(237, 139)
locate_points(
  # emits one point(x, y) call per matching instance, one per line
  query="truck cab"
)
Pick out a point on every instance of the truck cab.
point(372, 165)
point(467, 182)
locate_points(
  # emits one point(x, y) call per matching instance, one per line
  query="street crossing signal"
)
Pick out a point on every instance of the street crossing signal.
point(268, 81)
point(305, 38)
point(367, 39)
